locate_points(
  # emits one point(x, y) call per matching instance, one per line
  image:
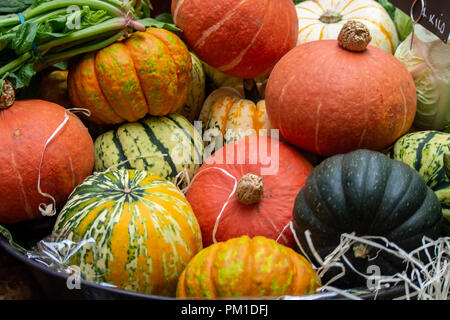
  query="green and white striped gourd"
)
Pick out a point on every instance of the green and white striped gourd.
point(424, 151)
point(139, 231)
point(162, 145)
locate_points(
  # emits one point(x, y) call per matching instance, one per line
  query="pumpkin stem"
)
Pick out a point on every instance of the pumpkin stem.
point(7, 96)
point(330, 16)
point(250, 189)
point(447, 162)
point(354, 36)
point(251, 90)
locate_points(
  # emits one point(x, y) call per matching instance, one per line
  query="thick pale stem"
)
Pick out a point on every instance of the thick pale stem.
point(330, 16)
point(250, 189)
point(354, 36)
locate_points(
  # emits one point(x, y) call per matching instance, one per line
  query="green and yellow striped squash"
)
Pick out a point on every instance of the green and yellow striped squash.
point(424, 151)
point(163, 145)
point(143, 229)
point(247, 267)
point(196, 92)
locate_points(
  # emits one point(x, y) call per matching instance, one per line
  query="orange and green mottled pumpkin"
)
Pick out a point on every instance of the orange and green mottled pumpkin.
point(247, 267)
point(147, 73)
point(144, 231)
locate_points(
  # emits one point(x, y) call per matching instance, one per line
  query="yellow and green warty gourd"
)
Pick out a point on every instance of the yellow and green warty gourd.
point(144, 230)
point(247, 267)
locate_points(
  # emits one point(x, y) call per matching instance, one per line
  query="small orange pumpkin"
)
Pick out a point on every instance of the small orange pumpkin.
point(244, 267)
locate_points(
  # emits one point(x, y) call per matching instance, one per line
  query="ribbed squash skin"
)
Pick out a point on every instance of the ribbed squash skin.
point(371, 13)
point(283, 170)
point(169, 145)
point(148, 73)
point(229, 116)
point(196, 92)
point(370, 194)
point(25, 127)
point(424, 151)
point(240, 38)
point(244, 267)
point(328, 100)
point(144, 230)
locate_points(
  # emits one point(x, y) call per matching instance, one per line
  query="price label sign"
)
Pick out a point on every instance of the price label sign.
point(434, 15)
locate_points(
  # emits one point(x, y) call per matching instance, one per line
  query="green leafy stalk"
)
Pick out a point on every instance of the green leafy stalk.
point(61, 29)
point(5, 233)
point(55, 58)
point(113, 11)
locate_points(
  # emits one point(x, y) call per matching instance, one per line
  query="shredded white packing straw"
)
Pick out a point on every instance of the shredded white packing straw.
point(428, 280)
point(216, 225)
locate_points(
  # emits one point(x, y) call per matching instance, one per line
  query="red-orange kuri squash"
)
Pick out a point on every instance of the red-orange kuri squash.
point(329, 99)
point(267, 175)
point(240, 38)
point(25, 127)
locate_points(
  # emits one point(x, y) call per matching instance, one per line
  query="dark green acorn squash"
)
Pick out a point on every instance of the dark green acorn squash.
point(367, 193)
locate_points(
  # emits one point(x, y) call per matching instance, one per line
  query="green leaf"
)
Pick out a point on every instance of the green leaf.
point(150, 22)
point(24, 37)
point(5, 233)
point(390, 8)
point(298, 1)
point(403, 23)
point(14, 6)
point(63, 65)
point(165, 17)
point(22, 78)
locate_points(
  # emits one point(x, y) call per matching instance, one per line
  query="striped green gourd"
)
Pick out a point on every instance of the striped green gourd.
point(163, 145)
point(424, 151)
point(196, 92)
point(143, 229)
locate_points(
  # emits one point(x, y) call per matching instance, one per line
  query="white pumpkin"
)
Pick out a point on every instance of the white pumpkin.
point(323, 19)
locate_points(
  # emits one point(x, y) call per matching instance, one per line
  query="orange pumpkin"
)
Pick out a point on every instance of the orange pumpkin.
point(329, 99)
point(147, 73)
point(244, 267)
point(240, 38)
point(25, 127)
point(267, 175)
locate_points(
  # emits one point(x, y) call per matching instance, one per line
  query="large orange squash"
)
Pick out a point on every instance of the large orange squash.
point(329, 99)
point(25, 127)
point(244, 267)
point(240, 38)
point(267, 175)
point(147, 73)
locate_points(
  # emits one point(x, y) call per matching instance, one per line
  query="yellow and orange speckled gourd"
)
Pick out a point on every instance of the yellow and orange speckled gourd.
point(233, 113)
point(247, 267)
point(147, 73)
